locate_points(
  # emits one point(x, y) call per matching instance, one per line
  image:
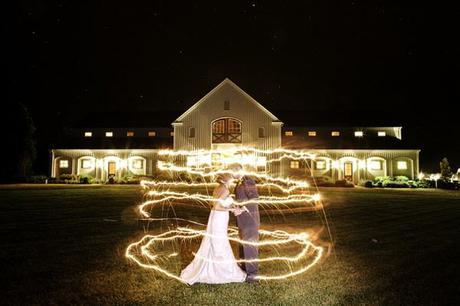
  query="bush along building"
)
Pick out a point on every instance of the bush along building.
point(228, 118)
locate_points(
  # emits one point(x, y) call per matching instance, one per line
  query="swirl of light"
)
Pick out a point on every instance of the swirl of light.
point(159, 192)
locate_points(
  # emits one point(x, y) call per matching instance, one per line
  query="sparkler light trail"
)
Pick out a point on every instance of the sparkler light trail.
point(146, 252)
point(141, 251)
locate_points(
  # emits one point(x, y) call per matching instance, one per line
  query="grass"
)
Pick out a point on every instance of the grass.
point(391, 247)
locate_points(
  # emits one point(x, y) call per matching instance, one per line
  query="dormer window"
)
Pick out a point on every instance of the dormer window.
point(191, 132)
point(288, 133)
point(88, 134)
point(359, 133)
point(261, 132)
point(335, 133)
point(382, 133)
point(227, 105)
point(109, 134)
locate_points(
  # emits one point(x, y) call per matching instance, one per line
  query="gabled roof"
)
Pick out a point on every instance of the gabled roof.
point(237, 88)
point(341, 118)
point(126, 119)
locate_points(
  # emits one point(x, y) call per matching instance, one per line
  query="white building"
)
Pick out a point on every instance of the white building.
point(227, 117)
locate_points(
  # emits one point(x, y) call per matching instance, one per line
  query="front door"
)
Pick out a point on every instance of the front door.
point(348, 171)
point(112, 169)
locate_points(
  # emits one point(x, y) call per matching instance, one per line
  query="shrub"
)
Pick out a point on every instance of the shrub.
point(36, 179)
point(52, 180)
point(130, 179)
point(69, 179)
point(413, 184)
point(425, 184)
point(444, 184)
point(368, 184)
point(321, 181)
point(344, 183)
point(378, 179)
point(395, 184)
point(86, 179)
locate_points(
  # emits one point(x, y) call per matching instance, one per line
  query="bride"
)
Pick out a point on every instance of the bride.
point(214, 262)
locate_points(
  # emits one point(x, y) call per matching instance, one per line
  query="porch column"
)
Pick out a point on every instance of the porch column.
point(412, 168)
point(53, 165)
point(391, 168)
point(74, 166)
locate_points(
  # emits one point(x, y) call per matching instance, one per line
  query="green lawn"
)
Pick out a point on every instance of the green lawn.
point(391, 247)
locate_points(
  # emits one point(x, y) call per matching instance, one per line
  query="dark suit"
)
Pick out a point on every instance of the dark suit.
point(248, 223)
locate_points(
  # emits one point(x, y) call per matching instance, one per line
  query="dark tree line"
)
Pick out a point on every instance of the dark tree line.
point(18, 149)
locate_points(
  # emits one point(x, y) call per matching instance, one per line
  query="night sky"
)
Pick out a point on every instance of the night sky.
point(66, 59)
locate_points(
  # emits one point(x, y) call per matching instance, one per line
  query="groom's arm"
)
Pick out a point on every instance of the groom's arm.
point(250, 188)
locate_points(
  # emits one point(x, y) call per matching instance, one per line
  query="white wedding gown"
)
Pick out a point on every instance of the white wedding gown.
point(214, 263)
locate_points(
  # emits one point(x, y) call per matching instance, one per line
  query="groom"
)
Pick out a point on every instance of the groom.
point(248, 221)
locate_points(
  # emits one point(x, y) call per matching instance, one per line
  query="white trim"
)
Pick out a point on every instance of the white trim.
point(53, 166)
point(397, 131)
point(79, 168)
point(143, 170)
point(383, 164)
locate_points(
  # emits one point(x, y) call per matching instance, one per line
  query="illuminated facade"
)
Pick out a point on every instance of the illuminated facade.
point(228, 118)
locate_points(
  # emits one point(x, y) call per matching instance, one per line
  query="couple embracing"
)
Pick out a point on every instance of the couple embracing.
point(214, 262)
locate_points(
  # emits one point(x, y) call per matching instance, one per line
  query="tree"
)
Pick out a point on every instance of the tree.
point(446, 171)
point(20, 151)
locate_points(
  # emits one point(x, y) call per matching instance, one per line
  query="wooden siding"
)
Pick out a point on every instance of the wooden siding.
point(241, 107)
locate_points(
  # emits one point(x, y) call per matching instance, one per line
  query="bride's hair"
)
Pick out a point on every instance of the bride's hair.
point(223, 178)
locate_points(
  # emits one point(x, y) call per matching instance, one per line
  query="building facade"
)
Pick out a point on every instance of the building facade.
point(228, 118)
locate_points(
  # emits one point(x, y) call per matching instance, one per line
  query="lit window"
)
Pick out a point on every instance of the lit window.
point(226, 130)
point(320, 165)
point(261, 132)
point(359, 134)
point(335, 133)
point(172, 134)
point(130, 133)
point(191, 132)
point(108, 134)
point(88, 134)
point(226, 105)
point(152, 133)
point(86, 163)
point(137, 164)
point(382, 133)
point(294, 164)
point(402, 165)
point(375, 165)
point(288, 133)
point(311, 133)
point(233, 126)
point(63, 164)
